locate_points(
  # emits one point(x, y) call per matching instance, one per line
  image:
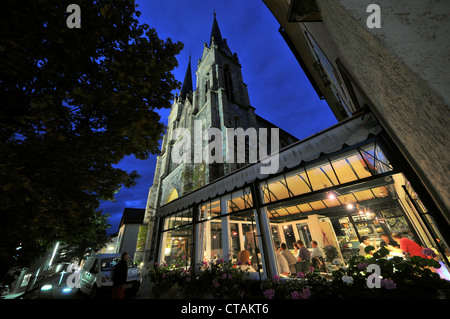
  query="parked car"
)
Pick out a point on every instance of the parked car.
point(96, 275)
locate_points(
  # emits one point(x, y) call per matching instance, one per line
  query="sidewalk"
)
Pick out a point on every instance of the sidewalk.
point(145, 289)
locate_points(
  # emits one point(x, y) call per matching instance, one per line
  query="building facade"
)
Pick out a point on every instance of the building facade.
point(380, 170)
point(398, 70)
point(334, 188)
point(220, 101)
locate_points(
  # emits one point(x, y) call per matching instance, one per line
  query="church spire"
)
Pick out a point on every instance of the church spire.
point(187, 83)
point(215, 33)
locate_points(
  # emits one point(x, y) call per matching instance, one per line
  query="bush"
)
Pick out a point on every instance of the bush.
point(410, 277)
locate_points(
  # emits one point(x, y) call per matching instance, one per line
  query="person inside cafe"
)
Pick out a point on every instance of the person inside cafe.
point(282, 263)
point(408, 246)
point(317, 260)
point(365, 241)
point(316, 250)
point(303, 257)
point(389, 243)
point(244, 261)
point(303, 252)
point(289, 257)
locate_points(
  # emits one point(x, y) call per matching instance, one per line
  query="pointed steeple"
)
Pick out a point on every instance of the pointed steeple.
point(187, 83)
point(215, 33)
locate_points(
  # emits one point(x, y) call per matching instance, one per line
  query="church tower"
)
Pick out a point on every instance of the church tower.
point(220, 100)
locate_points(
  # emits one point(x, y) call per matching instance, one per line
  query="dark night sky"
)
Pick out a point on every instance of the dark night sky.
point(277, 86)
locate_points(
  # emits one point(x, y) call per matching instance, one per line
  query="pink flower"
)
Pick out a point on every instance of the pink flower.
point(269, 293)
point(389, 284)
point(229, 276)
point(183, 257)
point(216, 284)
point(276, 278)
point(295, 295)
point(224, 276)
point(300, 275)
point(305, 293)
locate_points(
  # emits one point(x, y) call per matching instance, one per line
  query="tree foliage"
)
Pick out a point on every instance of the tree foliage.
point(74, 102)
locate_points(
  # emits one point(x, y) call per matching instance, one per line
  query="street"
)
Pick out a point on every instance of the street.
point(55, 287)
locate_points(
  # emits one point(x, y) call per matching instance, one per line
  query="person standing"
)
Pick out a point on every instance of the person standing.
point(120, 273)
point(365, 241)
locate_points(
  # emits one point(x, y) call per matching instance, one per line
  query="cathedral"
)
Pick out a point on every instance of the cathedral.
point(220, 100)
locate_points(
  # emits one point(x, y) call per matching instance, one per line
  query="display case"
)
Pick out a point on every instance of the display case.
point(370, 225)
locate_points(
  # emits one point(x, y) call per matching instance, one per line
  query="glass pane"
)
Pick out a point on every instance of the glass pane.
point(321, 176)
point(216, 240)
point(276, 236)
point(305, 235)
point(177, 247)
point(235, 240)
point(289, 236)
point(240, 200)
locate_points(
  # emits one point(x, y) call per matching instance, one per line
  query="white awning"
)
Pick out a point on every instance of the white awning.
point(342, 135)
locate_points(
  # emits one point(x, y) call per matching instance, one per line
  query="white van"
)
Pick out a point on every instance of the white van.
point(96, 275)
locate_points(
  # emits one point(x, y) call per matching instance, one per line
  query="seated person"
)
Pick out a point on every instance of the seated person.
point(244, 261)
point(408, 246)
point(282, 264)
point(365, 241)
point(289, 257)
point(316, 250)
point(389, 243)
point(303, 253)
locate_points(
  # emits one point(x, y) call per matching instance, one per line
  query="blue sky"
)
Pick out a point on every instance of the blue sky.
point(277, 86)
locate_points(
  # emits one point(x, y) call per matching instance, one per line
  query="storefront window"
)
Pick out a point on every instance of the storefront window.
point(235, 230)
point(176, 239)
point(239, 200)
point(249, 239)
point(210, 231)
point(304, 234)
point(177, 247)
point(357, 164)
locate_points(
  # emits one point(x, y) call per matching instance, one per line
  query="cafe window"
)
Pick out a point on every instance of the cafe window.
point(177, 240)
point(210, 231)
point(245, 236)
point(357, 164)
point(239, 200)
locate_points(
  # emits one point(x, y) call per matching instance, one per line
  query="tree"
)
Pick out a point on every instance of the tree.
point(74, 102)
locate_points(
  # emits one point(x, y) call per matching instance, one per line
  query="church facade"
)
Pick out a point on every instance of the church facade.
point(219, 101)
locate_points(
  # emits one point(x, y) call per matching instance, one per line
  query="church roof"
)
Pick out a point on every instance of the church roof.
point(187, 83)
point(215, 33)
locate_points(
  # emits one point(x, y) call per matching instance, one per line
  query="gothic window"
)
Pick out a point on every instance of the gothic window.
point(229, 83)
